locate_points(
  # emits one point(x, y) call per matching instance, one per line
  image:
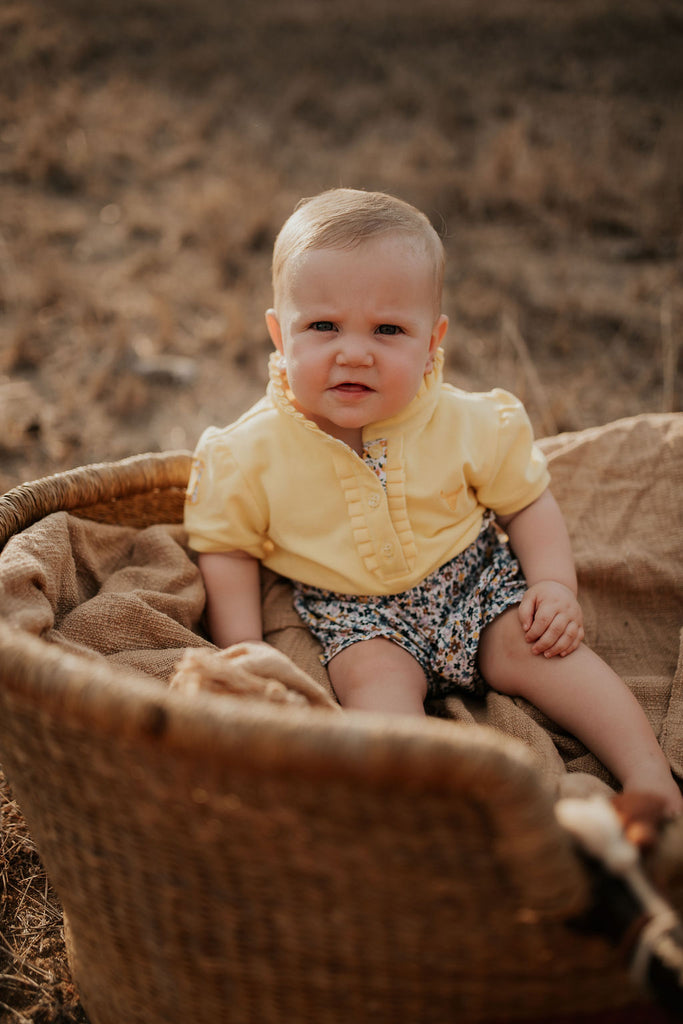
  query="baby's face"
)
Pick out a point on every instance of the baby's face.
point(358, 331)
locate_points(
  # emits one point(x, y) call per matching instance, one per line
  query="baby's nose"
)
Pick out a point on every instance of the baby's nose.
point(354, 353)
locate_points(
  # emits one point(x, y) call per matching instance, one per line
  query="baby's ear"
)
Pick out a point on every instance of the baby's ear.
point(438, 334)
point(273, 325)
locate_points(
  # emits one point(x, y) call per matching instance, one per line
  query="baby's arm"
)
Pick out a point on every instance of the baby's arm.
point(233, 596)
point(549, 613)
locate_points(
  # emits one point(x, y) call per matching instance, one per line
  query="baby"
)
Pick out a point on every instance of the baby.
point(378, 489)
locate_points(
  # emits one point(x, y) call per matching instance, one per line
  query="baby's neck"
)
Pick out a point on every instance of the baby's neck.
point(352, 438)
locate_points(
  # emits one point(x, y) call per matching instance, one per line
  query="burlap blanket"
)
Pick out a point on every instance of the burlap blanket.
point(135, 597)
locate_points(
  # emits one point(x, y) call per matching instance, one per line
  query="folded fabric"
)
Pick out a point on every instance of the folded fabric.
point(250, 670)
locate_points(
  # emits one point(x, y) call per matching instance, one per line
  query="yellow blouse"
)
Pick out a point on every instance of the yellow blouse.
point(275, 485)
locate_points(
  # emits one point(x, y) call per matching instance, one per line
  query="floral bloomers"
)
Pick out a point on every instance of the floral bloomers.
point(439, 622)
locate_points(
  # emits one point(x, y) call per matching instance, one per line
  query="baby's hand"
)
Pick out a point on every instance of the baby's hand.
point(551, 619)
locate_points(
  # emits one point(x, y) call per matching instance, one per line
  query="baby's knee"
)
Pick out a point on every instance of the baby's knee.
point(504, 654)
point(349, 683)
point(377, 674)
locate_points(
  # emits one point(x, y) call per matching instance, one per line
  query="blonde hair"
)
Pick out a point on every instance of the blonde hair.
point(342, 218)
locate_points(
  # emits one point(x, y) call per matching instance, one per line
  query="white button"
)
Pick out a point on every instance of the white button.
point(388, 550)
point(376, 450)
point(374, 500)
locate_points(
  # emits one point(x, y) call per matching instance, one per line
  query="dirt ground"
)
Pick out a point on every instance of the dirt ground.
point(150, 150)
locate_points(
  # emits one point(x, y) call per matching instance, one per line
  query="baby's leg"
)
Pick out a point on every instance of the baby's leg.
point(378, 675)
point(584, 696)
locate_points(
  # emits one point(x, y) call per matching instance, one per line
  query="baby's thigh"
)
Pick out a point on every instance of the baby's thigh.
point(378, 674)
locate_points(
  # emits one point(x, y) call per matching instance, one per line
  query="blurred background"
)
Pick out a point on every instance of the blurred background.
point(151, 149)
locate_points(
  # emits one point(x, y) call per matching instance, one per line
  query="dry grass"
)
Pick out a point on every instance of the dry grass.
point(34, 978)
point(150, 149)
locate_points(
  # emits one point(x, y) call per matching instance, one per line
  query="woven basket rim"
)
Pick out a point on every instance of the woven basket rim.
point(230, 730)
point(91, 484)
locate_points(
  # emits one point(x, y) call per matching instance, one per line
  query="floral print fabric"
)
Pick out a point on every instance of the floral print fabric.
point(439, 622)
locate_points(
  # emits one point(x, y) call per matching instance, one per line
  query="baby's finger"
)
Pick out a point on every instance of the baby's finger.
point(567, 642)
point(544, 620)
point(526, 611)
point(551, 636)
point(574, 641)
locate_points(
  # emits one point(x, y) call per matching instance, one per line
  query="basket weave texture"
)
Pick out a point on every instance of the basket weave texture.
point(227, 860)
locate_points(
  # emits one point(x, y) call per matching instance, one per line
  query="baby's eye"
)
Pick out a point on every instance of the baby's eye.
point(388, 329)
point(322, 325)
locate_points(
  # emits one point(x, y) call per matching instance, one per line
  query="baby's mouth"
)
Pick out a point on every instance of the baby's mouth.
point(351, 387)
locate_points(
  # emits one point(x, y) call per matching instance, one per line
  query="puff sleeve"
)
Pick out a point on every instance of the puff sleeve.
point(222, 511)
point(516, 472)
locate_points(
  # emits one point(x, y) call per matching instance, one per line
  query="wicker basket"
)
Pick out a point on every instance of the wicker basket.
point(224, 860)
